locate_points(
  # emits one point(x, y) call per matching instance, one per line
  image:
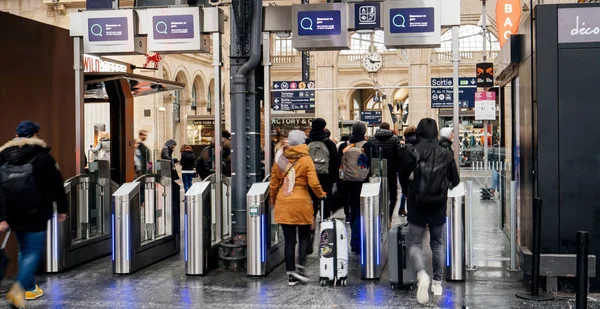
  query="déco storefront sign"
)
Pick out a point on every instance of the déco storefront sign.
point(579, 25)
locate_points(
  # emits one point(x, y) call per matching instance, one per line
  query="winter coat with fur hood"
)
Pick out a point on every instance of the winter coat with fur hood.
point(48, 180)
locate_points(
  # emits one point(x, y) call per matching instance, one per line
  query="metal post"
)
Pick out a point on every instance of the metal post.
point(485, 122)
point(79, 105)
point(216, 38)
point(455, 118)
point(513, 226)
point(535, 263)
point(469, 227)
point(267, 99)
point(583, 242)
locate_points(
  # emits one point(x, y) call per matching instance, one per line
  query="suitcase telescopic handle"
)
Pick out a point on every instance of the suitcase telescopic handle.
point(6, 236)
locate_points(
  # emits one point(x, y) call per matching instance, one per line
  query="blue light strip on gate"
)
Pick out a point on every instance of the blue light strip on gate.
point(263, 241)
point(447, 243)
point(185, 234)
point(55, 247)
point(113, 236)
point(378, 237)
point(362, 240)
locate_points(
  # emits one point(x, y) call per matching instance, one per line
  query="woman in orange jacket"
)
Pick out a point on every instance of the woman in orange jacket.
point(291, 176)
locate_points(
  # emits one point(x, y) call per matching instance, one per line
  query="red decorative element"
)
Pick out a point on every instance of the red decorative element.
point(156, 58)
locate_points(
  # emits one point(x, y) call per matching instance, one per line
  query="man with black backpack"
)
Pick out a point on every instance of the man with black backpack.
point(30, 184)
point(389, 144)
point(427, 171)
point(323, 152)
point(355, 169)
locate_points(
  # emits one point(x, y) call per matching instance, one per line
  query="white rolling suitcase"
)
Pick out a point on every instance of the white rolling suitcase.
point(333, 251)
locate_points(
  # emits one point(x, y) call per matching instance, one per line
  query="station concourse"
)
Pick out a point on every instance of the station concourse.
point(166, 119)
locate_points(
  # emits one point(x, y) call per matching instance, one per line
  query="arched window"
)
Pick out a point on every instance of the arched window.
point(470, 39)
point(360, 43)
point(194, 97)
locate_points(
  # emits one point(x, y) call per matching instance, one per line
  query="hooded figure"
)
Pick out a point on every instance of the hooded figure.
point(429, 214)
point(167, 154)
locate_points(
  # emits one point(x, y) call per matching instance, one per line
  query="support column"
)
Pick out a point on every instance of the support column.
point(420, 99)
point(327, 102)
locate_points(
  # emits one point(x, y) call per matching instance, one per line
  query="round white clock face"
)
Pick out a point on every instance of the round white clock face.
point(372, 62)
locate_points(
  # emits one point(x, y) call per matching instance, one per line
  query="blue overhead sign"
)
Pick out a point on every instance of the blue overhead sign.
point(412, 20)
point(317, 23)
point(367, 15)
point(444, 97)
point(371, 117)
point(302, 98)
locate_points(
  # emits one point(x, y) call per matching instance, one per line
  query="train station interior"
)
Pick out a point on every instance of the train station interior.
point(512, 80)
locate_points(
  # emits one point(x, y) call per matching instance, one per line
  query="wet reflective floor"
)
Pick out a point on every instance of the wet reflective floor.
point(164, 285)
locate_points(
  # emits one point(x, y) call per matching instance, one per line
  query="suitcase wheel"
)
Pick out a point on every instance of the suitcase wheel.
point(394, 286)
point(323, 282)
point(343, 282)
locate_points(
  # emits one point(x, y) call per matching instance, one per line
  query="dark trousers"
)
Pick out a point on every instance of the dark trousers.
point(351, 190)
point(289, 234)
point(393, 188)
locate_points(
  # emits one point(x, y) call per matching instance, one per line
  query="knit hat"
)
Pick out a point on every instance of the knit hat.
point(318, 124)
point(446, 132)
point(359, 128)
point(296, 137)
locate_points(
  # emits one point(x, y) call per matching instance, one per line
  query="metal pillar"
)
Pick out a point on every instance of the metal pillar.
point(513, 226)
point(485, 122)
point(267, 100)
point(216, 40)
point(455, 118)
point(470, 258)
point(246, 24)
point(79, 105)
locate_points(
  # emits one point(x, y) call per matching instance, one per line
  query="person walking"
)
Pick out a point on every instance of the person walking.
point(327, 163)
point(188, 162)
point(142, 155)
point(102, 149)
point(291, 176)
point(355, 157)
point(427, 171)
point(386, 141)
point(410, 138)
point(446, 139)
point(167, 154)
point(30, 184)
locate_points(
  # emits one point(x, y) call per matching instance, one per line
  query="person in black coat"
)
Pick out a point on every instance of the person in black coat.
point(167, 154)
point(427, 215)
point(352, 189)
point(389, 144)
point(318, 133)
point(410, 138)
point(27, 203)
point(188, 162)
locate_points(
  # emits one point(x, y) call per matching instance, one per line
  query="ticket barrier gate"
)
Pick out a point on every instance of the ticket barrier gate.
point(205, 225)
point(374, 222)
point(146, 221)
point(265, 238)
point(85, 235)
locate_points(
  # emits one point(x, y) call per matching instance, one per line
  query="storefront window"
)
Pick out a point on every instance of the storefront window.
point(201, 131)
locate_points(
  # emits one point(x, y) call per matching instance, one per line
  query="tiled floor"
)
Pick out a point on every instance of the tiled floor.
point(164, 285)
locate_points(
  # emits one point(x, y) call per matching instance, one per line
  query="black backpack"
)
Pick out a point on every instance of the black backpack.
point(18, 188)
point(430, 180)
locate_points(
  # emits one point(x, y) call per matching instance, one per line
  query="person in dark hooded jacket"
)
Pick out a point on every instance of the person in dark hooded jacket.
point(430, 215)
point(446, 138)
point(386, 141)
point(167, 154)
point(410, 138)
point(26, 206)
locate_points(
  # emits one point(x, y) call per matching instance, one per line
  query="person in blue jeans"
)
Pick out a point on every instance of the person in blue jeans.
point(188, 162)
point(30, 185)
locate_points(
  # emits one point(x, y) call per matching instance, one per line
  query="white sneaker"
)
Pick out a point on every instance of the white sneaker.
point(423, 287)
point(436, 288)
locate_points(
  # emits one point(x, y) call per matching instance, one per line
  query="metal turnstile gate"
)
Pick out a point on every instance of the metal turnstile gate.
point(201, 252)
point(146, 221)
point(455, 235)
point(86, 234)
point(265, 238)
